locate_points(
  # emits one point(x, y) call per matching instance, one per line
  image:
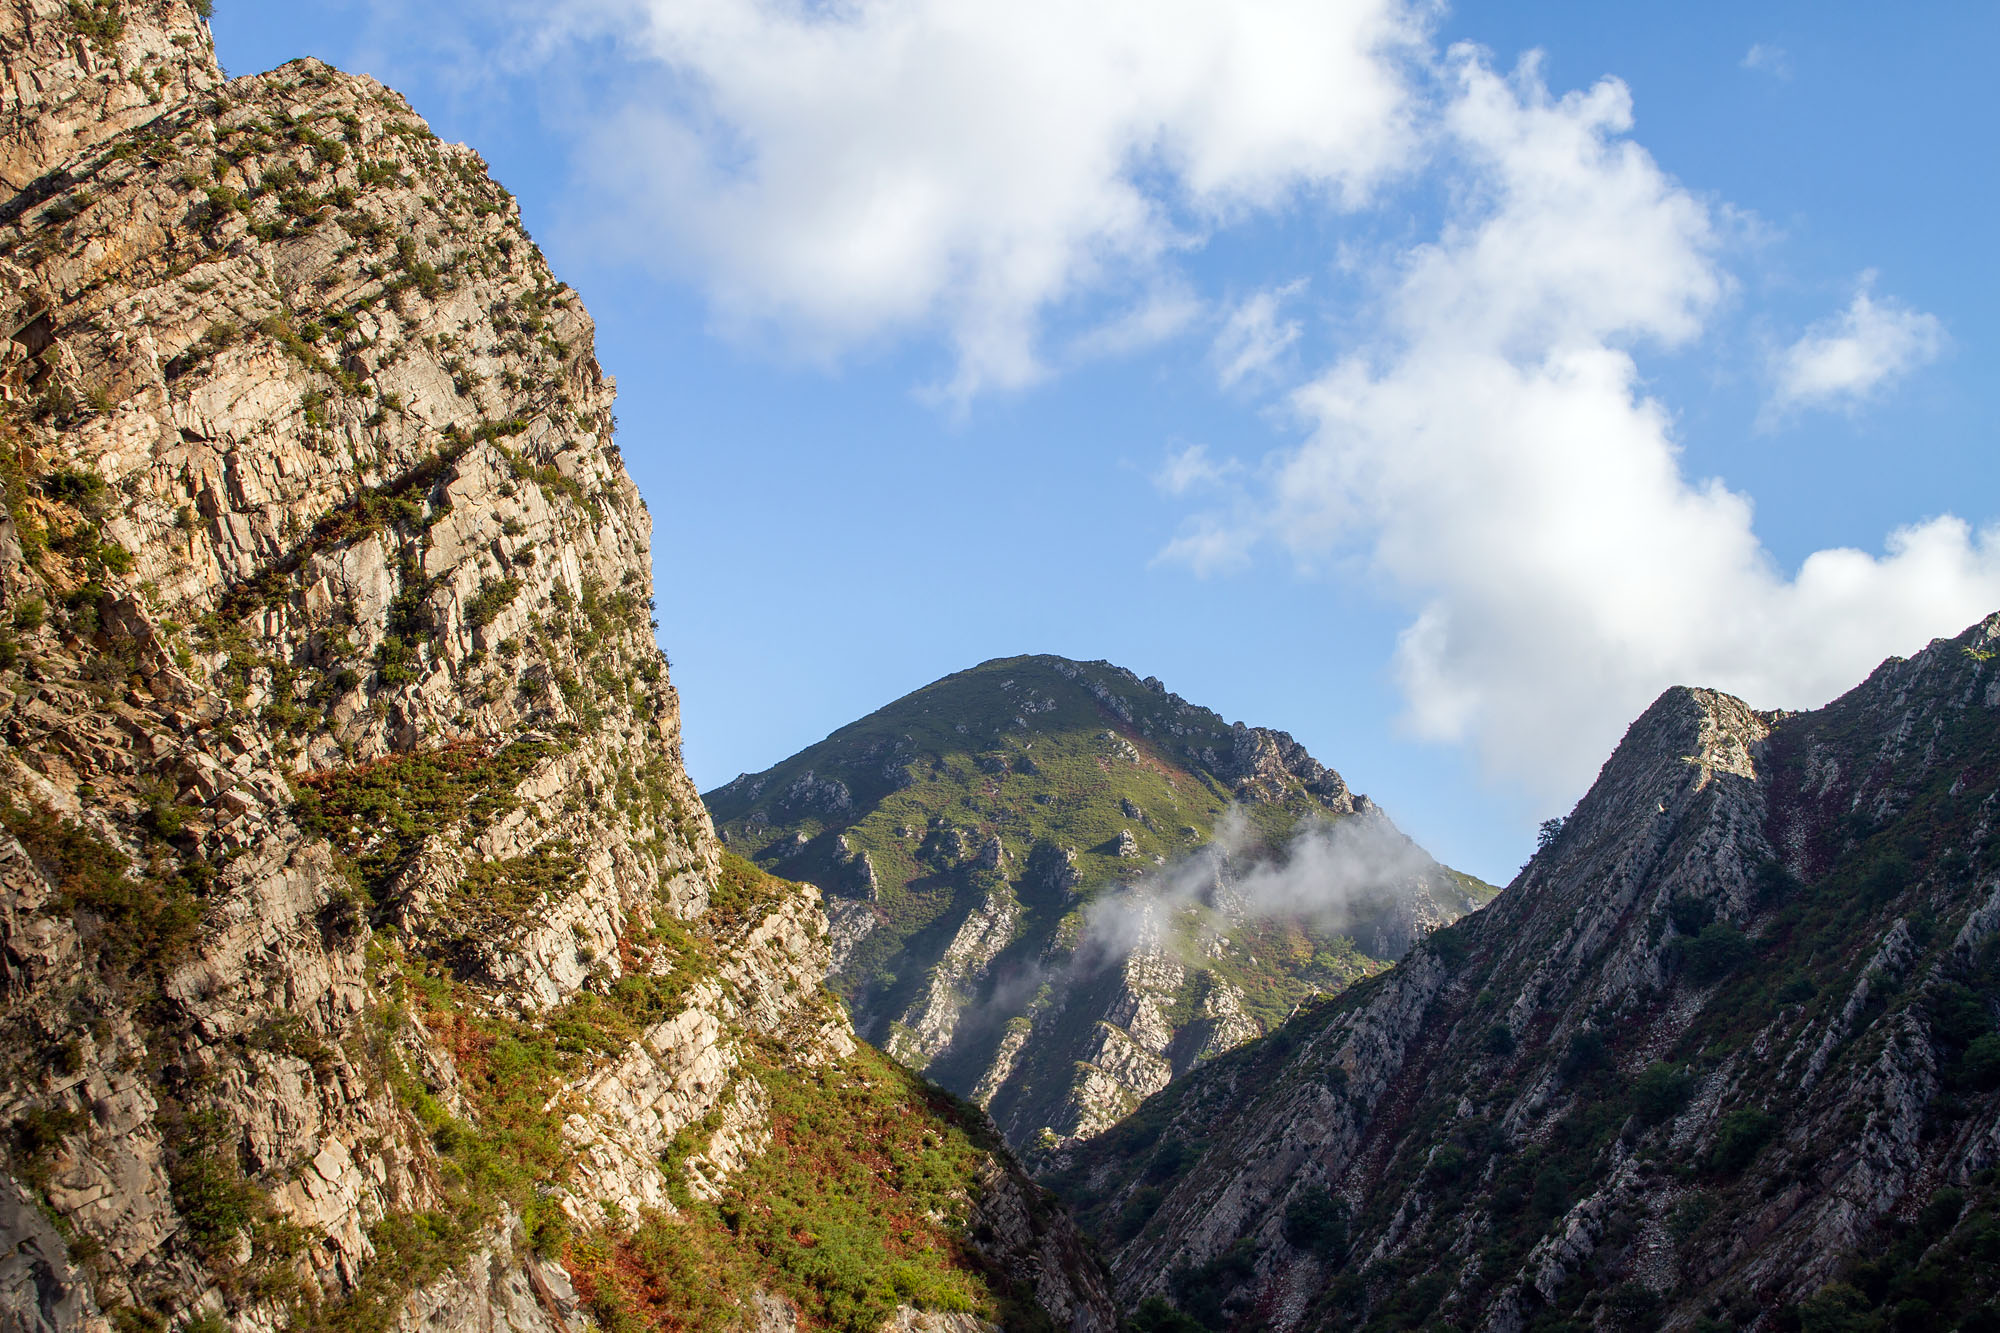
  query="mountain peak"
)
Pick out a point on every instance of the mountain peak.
point(1055, 883)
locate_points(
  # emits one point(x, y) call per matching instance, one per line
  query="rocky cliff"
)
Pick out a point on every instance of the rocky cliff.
point(1055, 885)
point(367, 959)
point(1724, 1056)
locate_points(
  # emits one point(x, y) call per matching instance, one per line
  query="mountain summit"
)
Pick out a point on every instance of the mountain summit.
point(1054, 884)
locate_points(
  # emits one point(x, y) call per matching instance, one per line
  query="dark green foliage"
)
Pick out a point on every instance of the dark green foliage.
point(1449, 944)
point(1203, 1290)
point(493, 597)
point(1316, 1221)
point(213, 1199)
point(1689, 915)
point(1961, 1023)
point(1714, 953)
point(1447, 1165)
point(1739, 1137)
point(1979, 1068)
point(38, 1136)
point(1837, 1308)
point(1499, 1040)
point(1154, 1315)
point(136, 927)
point(79, 488)
point(103, 21)
point(1942, 1212)
point(1587, 1053)
point(1660, 1091)
point(1774, 884)
point(509, 889)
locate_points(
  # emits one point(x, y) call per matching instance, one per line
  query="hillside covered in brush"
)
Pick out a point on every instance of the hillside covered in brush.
point(367, 960)
point(1726, 1055)
point(973, 835)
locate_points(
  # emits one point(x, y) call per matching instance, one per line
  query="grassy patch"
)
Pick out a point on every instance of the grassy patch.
point(860, 1205)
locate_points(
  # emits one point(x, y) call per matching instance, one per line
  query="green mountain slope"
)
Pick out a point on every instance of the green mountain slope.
point(1031, 900)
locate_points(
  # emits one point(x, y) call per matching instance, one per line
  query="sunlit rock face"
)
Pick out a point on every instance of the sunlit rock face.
point(368, 957)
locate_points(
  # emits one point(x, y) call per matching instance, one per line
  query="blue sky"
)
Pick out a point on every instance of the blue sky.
point(1322, 359)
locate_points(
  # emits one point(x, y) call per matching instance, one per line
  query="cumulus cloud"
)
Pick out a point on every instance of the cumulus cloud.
point(1846, 360)
point(848, 172)
point(1495, 462)
point(1256, 335)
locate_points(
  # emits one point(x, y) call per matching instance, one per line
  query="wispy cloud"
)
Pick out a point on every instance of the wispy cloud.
point(1189, 468)
point(1845, 361)
point(1767, 59)
point(1328, 874)
point(1256, 336)
point(1161, 315)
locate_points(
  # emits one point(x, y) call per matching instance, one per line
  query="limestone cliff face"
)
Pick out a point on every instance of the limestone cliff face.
point(367, 958)
point(1726, 1052)
point(78, 75)
point(1037, 873)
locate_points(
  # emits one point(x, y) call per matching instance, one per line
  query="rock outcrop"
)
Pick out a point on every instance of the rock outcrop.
point(991, 843)
point(1724, 1056)
point(367, 958)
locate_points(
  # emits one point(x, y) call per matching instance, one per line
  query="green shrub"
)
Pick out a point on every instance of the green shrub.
point(493, 597)
point(1690, 915)
point(1587, 1052)
point(100, 20)
point(1739, 1137)
point(1714, 953)
point(1660, 1091)
point(1837, 1308)
point(1980, 1066)
point(138, 927)
point(1154, 1315)
point(1316, 1221)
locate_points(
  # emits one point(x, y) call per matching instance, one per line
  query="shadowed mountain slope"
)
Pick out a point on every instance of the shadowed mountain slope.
point(1723, 1056)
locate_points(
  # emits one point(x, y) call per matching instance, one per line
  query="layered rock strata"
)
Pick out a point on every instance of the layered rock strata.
point(1726, 1055)
point(367, 957)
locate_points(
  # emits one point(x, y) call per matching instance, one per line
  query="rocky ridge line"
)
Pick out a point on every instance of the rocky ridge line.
point(1726, 1051)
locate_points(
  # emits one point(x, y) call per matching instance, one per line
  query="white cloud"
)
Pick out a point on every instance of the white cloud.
point(1844, 361)
point(1190, 469)
point(841, 173)
point(1159, 316)
point(1494, 461)
point(1767, 59)
point(1256, 336)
